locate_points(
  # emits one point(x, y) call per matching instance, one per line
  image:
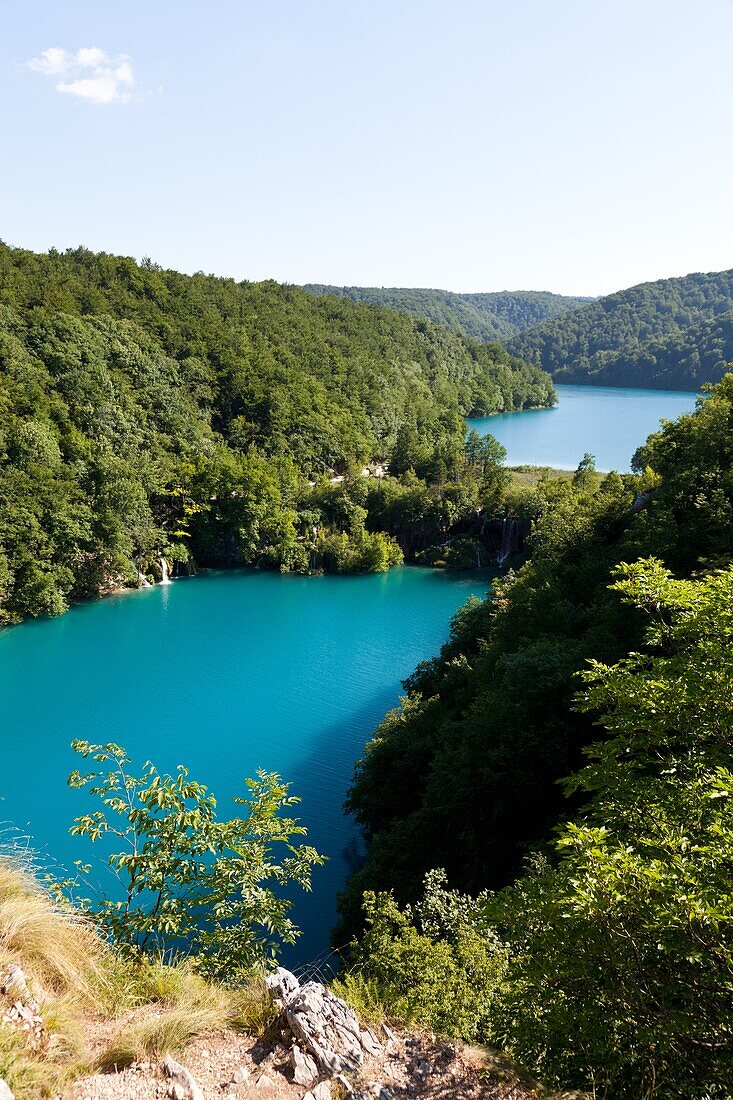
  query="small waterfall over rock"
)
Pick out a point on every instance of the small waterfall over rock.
point(508, 540)
point(165, 571)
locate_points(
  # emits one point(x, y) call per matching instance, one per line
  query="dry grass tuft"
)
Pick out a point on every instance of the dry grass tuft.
point(57, 949)
point(184, 1006)
point(75, 976)
point(166, 1032)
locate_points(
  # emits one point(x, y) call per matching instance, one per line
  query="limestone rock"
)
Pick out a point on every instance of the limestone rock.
point(282, 984)
point(328, 1040)
point(324, 1026)
point(321, 1091)
point(391, 1037)
point(182, 1084)
point(15, 984)
point(370, 1042)
point(5, 1093)
point(305, 1069)
point(240, 1076)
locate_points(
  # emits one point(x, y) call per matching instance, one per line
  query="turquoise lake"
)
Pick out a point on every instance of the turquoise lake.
point(230, 672)
point(225, 673)
point(606, 421)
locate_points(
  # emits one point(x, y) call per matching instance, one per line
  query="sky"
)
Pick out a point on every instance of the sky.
point(578, 146)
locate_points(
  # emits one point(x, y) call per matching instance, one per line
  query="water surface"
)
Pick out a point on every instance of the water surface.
point(232, 672)
point(606, 421)
point(224, 673)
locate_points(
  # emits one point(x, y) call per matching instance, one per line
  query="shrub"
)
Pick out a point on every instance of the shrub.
point(194, 885)
point(437, 963)
point(621, 977)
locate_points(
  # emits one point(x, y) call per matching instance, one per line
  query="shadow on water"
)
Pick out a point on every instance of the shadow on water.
point(322, 780)
point(228, 674)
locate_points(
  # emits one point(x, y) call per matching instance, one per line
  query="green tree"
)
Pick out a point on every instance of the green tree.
point(191, 883)
point(622, 973)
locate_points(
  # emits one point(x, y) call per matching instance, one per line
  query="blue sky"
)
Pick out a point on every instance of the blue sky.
point(467, 144)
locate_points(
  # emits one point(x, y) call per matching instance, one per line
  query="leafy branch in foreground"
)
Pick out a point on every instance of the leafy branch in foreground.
point(192, 884)
point(622, 971)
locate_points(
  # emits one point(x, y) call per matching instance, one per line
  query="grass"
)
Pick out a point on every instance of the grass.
point(183, 1006)
point(365, 998)
point(529, 476)
point(77, 978)
point(58, 950)
point(63, 960)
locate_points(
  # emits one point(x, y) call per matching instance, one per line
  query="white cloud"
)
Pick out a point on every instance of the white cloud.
point(89, 74)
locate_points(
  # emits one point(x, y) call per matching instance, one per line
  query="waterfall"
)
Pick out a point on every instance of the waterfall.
point(508, 533)
point(165, 578)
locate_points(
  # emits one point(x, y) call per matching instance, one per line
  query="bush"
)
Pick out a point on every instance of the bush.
point(194, 885)
point(437, 963)
point(621, 977)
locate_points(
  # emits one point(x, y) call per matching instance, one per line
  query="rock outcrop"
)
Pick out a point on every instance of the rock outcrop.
point(182, 1084)
point(327, 1040)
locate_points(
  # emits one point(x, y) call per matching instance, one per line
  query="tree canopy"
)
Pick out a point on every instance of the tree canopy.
point(497, 315)
point(673, 333)
point(144, 413)
point(464, 775)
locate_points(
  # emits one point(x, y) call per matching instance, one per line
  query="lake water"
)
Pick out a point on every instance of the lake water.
point(225, 673)
point(231, 672)
point(605, 421)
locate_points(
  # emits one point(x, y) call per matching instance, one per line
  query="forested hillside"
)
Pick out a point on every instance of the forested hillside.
point(464, 775)
point(673, 333)
point(147, 413)
point(606, 960)
point(484, 317)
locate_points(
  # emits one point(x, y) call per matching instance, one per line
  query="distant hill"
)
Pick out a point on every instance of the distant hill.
point(484, 317)
point(675, 333)
point(148, 416)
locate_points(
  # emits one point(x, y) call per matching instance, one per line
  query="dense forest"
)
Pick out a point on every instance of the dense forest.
point(674, 333)
point(463, 775)
point(484, 317)
point(606, 960)
point(146, 414)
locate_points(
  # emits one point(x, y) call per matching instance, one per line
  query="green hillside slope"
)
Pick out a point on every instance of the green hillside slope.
point(484, 317)
point(672, 333)
point(144, 412)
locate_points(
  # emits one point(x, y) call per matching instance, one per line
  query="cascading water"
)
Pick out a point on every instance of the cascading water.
point(508, 540)
point(165, 571)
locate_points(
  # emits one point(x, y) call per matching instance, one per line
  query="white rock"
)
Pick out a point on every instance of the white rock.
point(370, 1042)
point(15, 983)
point(182, 1086)
point(240, 1075)
point(5, 1092)
point(321, 1091)
point(305, 1070)
point(327, 1029)
point(282, 984)
point(264, 1082)
point(376, 1091)
point(389, 1033)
